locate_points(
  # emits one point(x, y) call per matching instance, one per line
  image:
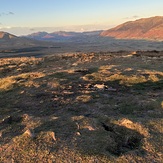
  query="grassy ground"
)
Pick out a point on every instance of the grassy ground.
point(96, 107)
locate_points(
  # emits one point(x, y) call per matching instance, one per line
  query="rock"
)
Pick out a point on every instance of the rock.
point(100, 86)
point(29, 133)
point(104, 87)
point(78, 133)
point(52, 134)
point(0, 134)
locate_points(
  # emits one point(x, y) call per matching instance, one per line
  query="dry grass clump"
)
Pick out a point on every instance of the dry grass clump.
point(26, 79)
point(7, 83)
point(19, 61)
point(156, 125)
point(12, 71)
point(83, 98)
point(134, 126)
point(123, 79)
point(15, 66)
point(162, 104)
point(28, 150)
point(53, 84)
point(125, 76)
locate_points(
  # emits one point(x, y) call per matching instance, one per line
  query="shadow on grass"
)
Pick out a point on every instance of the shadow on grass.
point(61, 102)
point(107, 138)
point(149, 86)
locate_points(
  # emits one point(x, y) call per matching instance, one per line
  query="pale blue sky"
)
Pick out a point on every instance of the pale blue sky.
point(74, 14)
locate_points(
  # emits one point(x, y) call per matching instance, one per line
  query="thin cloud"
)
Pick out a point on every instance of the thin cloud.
point(135, 16)
point(132, 17)
point(10, 13)
point(32, 29)
point(6, 13)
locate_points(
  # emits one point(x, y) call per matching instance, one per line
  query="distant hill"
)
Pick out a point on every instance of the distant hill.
point(10, 41)
point(5, 35)
point(62, 35)
point(146, 28)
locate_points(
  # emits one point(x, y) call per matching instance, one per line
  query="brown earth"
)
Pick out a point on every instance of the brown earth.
point(147, 28)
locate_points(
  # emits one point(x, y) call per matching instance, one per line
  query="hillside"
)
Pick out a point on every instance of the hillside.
point(43, 43)
point(8, 40)
point(6, 36)
point(82, 107)
point(147, 28)
point(11, 44)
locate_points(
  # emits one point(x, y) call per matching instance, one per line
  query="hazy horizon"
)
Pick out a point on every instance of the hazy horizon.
point(20, 31)
point(25, 17)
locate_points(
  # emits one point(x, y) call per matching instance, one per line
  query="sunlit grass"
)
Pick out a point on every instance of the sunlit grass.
point(7, 83)
point(83, 98)
point(126, 77)
point(25, 79)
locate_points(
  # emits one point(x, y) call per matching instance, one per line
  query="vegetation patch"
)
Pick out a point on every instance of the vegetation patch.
point(95, 107)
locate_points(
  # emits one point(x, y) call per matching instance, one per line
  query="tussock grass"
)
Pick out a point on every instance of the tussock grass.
point(70, 119)
point(83, 98)
point(26, 79)
point(7, 83)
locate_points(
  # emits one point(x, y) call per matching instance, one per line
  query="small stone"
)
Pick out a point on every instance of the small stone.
point(41, 101)
point(99, 86)
point(78, 133)
point(29, 133)
point(74, 64)
point(52, 134)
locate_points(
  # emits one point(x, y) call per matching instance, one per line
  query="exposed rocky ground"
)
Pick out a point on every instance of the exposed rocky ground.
point(82, 107)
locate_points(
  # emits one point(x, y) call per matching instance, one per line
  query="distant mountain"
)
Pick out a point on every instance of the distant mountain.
point(146, 28)
point(62, 35)
point(6, 36)
point(10, 41)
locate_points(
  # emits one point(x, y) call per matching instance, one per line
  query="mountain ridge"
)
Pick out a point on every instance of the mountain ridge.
point(5, 35)
point(61, 35)
point(9, 41)
point(145, 28)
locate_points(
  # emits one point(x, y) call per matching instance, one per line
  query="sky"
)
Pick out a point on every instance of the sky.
point(22, 17)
